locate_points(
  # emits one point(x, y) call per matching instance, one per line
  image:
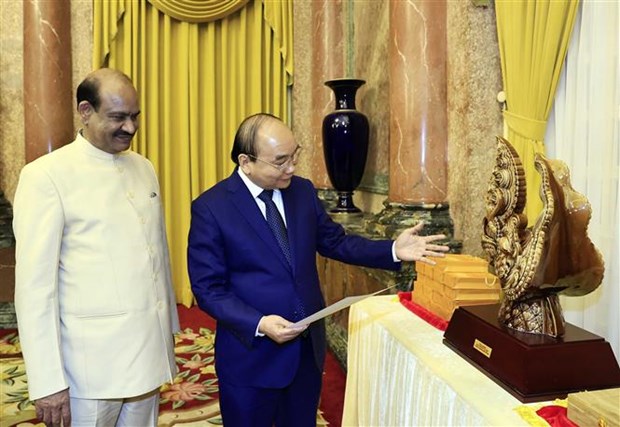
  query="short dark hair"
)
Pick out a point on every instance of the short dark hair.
point(88, 90)
point(245, 138)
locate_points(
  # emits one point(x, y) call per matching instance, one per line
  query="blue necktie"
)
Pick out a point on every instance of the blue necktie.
point(276, 223)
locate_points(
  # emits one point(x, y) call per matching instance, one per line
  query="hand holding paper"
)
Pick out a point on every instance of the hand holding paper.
point(279, 329)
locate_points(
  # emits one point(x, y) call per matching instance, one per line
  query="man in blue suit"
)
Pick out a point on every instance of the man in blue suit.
point(256, 282)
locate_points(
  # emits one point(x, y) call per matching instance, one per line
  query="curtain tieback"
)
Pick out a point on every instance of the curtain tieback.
point(525, 126)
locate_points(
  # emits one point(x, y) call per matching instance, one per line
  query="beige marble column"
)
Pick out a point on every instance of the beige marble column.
point(328, 62)
point(48, 92)
point(418, 102)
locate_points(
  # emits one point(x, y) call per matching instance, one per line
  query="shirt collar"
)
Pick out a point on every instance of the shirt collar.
point(255, 190)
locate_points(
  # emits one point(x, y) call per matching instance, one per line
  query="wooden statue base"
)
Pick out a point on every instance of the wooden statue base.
point(532, 367)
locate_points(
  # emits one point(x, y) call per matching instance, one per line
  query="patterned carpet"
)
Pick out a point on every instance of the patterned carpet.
point(192, 400)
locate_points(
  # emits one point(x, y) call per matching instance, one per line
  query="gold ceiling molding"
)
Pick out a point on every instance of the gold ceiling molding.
point(198, 11)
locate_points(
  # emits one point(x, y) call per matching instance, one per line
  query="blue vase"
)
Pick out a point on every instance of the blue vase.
point(345, 143)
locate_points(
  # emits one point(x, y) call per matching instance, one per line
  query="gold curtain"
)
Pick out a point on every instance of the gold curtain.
point(198, 11)
point(533, 40)
point(196, 83)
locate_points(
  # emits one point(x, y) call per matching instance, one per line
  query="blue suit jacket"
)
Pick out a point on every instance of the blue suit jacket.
point(238, 274)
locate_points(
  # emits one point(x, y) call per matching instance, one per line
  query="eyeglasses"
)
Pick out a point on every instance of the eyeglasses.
point(286, 162)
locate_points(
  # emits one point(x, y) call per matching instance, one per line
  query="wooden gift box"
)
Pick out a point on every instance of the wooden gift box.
point(595, 408)
point(453, 262)
point(456, 263)
point(456, 280)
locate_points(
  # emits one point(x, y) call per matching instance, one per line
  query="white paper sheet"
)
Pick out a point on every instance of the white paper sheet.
point(337, 306)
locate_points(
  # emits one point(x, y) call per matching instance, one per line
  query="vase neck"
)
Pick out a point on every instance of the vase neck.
point(345, 98)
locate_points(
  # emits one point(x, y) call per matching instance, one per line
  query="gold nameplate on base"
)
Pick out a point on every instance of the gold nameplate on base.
point(532, 367)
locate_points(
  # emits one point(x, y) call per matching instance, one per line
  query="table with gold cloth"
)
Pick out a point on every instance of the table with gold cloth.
point(399, 373)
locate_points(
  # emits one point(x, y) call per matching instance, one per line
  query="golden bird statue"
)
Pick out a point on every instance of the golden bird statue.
point(555, 256)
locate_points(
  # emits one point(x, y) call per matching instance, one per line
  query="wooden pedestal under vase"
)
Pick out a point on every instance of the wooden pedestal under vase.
point(532, 367)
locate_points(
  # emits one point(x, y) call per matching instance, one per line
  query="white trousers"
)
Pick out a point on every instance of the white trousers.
point(139, 411)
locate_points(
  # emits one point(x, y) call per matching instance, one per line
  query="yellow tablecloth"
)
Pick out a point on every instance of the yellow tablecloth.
point(400, 373)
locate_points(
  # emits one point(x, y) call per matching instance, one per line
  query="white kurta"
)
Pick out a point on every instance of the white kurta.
point(95, 305)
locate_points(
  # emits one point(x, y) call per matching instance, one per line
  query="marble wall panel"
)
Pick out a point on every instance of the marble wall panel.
point(48, 121)
point(418, 100)
point(318, 34)
point(326, 41)
point(369, 53)
point(302, 88)
point(82, 47)
point(12, 144)
point(474, 115)
point(12, 147)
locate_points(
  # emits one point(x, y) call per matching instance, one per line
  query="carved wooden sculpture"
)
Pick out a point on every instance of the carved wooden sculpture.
point(554, 256)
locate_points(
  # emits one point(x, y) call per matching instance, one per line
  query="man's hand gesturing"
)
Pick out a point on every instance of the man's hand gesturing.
point(411, 247)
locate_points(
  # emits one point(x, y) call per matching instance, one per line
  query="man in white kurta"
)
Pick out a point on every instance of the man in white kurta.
point(95, 306)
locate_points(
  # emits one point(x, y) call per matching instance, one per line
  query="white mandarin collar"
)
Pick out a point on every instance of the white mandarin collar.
point(86, 146)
